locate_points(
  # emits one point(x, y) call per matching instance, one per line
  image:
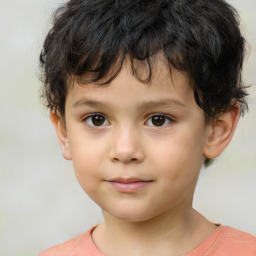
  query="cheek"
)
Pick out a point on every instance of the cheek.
point(178, 157)
point(87, 157)
point(85, 150)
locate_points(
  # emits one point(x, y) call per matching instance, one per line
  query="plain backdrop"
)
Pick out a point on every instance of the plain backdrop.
point(41, 203)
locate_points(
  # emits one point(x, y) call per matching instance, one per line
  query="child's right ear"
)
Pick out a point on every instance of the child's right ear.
point(61, 134)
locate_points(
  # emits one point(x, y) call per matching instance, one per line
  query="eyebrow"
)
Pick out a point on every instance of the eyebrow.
point(88, 102)
point(161, 103)
point(142, 105)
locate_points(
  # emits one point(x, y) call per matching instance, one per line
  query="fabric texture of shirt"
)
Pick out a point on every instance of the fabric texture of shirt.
point(224, 241)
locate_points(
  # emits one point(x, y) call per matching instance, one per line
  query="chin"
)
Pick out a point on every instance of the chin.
point(132, 215)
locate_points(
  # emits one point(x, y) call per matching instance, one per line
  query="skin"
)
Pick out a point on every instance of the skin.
point(140, 171)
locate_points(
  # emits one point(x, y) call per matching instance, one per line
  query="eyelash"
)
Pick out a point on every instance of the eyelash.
point(159, 116)
point(89, 117)
point(103, 120)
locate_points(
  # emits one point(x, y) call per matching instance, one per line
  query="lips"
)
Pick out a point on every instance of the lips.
point(129, 185)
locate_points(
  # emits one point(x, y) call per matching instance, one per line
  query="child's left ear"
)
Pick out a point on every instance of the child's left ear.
point(220, 132)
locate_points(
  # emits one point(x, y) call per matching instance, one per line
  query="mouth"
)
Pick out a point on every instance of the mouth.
point(129, 185)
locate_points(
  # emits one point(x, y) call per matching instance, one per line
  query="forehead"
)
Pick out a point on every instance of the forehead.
point(127, 90)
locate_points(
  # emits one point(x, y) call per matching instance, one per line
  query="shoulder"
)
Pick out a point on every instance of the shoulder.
point(69, 247)
point(235, 242)
point(75, 246)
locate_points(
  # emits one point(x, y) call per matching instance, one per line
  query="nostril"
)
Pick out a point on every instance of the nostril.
point(127, 160)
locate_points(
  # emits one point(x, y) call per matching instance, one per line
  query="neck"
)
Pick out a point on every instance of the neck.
point(174, 233)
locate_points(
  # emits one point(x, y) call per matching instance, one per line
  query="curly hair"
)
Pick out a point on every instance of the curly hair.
point(90, 39)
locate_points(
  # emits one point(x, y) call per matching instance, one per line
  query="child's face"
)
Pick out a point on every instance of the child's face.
point(137, 149)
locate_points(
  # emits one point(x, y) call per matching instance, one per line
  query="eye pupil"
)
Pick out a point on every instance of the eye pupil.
point(98, 120)
point(158, 120)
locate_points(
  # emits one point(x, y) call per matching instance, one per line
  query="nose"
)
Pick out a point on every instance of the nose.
point(126, 146)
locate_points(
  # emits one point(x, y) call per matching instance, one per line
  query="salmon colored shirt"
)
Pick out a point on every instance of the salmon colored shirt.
point(224, 241)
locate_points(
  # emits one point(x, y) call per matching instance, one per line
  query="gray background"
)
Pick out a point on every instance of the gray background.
point(41, 203)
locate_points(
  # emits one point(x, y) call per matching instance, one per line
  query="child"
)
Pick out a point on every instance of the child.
point(142, 93)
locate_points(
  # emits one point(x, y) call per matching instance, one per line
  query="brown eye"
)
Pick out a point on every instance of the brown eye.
point(159, 120)
point(96, 120)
